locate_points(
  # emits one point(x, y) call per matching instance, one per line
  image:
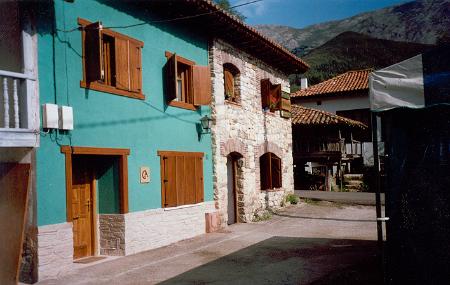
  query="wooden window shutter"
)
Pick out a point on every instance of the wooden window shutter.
point(285, 105)
point(122, 63)
point(170, 198)
point(276, 171)
point(275, 97)
point(135, 67)
point(202, 85)
point(199, 190)
point(93, 52)
point(229, 84)
point(265, 173)
point(171, 78)
point(189, 186)
point(265, 93)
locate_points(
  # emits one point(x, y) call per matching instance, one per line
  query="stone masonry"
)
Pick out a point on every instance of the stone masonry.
point(121, 234)
point(55, 250)
point(245, 129)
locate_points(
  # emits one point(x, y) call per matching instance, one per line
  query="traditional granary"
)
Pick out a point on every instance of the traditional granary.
point(324, 143)
point(346, 95)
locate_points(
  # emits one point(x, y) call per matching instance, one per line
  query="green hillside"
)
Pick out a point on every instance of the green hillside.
point(352, 51)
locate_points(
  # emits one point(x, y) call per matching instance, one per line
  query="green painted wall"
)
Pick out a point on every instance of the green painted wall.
point(107, 120)
point(107, 178)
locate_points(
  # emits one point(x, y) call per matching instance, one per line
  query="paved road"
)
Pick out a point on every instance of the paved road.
point(342, 197)
point(318, 243)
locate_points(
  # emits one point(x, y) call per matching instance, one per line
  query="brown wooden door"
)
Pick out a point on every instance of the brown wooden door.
point(82, 210)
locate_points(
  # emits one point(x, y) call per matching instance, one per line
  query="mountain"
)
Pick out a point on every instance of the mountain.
point(353, 51)
point(421, 21)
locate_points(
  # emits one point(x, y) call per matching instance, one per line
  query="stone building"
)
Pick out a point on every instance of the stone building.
point(251, 130)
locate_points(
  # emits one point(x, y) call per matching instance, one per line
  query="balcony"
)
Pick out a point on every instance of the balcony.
point(18, 112)
point(328, 149)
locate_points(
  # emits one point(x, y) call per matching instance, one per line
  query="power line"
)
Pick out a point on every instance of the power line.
point(166, 20)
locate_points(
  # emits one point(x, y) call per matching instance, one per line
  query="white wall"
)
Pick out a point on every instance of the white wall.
point(337, 104)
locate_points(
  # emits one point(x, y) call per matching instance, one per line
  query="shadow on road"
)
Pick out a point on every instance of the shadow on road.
point(290, 260)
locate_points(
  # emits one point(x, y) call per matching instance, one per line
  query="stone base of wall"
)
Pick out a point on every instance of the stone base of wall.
point(122, 235)
point(272, 199)
point(160, 227)
point(112, 234)
point(55, 250)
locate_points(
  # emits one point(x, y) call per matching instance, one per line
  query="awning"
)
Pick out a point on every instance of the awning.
point(418, 82)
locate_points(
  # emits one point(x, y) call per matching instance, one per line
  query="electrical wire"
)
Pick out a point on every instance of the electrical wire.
point(165, 20)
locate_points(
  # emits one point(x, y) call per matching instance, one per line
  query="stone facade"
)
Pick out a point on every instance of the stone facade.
point(160, 227)
point(121, 235)
point(246, 130)
point(55, 250)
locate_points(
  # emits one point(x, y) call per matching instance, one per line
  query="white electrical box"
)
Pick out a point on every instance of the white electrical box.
point(50, 116)
point(65, 118)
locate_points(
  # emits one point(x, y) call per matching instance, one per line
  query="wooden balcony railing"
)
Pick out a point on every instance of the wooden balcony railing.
point(19, 118)
point(327, 146)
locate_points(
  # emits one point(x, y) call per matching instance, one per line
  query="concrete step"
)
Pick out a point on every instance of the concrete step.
point(353, 182)
point(353, 176)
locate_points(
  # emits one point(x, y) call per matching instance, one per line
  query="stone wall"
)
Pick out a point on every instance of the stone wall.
point(244, 128)
point(112, 234)
point(55, 250)
point(159, 227)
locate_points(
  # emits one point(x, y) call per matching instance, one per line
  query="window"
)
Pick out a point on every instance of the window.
point(111, 61)
point(270, 171)
point(187, 85)
point(181, 178)
point(231, 83)
point(270, 95)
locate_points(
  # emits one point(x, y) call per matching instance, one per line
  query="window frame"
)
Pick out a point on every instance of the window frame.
point(102, 87)
point(234, 72)
point(199, 78)
point(269, 169)
point(198, 177)
point(270, 92)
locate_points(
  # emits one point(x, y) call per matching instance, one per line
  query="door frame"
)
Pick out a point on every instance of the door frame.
point(234, 160)
point(122, 154)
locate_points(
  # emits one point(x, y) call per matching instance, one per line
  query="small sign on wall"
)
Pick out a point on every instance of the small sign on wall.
point(145, 174)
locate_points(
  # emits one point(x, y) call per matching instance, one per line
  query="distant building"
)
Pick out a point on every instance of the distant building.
point(346, 95)
point(323, 146)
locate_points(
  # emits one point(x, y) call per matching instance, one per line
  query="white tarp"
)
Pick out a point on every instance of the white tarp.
point(399, 85)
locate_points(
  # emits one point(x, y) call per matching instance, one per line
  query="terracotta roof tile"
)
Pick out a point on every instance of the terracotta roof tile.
point(349, 81)
point(254, 36)
point(310, 117)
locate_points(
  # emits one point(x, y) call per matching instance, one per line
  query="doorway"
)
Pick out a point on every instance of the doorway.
point(232, 187)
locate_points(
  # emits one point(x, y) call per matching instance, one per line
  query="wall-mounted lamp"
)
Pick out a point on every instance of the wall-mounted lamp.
point(206, 123)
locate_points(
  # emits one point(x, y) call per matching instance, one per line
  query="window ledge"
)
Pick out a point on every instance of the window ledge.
point(182, 105)
point(274, 190)
point(110, 89)
point(183, 207)
point(233, 103)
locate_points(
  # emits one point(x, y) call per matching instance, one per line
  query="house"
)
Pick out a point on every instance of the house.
point(19, 132)
point(346, 95)
point(251, 130)
point(126, 159)
point(323, 141)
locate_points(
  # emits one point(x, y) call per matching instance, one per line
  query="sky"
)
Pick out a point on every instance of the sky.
point(302, 13)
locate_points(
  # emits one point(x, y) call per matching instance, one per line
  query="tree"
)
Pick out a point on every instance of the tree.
point(225, 5)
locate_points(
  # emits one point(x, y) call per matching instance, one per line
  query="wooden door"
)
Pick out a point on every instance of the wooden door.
point(232, 180)
point(82, 210)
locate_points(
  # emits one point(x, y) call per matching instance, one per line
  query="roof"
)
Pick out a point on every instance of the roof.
point(222, 24)
point(303, 116)
point(355, 80)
